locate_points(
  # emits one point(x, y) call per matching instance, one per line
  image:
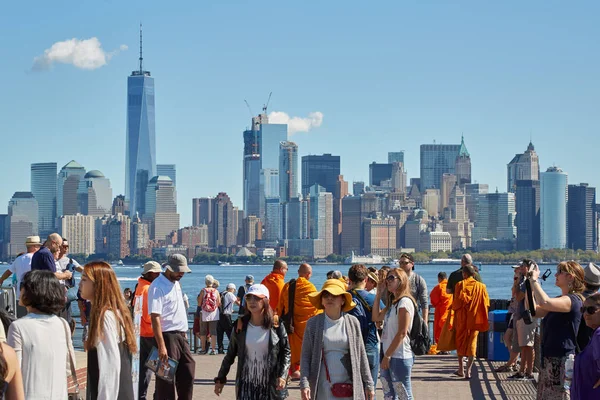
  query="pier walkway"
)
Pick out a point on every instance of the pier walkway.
point(431, 380)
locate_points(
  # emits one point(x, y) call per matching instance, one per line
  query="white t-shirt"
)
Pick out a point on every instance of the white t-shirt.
point(254, 379)
point(229, 300)
point(166, 298)
point(61, 265)
point(20, 267)
point(390, 328)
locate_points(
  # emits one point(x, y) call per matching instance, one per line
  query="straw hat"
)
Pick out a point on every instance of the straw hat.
point(335, 287)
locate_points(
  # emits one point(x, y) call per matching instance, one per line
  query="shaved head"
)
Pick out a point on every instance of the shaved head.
point(279, 265)
point(305, 270)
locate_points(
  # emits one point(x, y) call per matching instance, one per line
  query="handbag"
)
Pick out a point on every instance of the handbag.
point(73, 394)
point(447, 340)
point(337, 389)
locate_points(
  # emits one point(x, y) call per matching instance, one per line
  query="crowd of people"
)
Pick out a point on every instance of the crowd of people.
point(337, 342)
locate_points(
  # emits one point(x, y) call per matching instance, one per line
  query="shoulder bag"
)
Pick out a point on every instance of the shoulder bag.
point(73, 394)
point(337, 389)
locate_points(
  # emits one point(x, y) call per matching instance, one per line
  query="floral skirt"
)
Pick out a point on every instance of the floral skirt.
point(551, 385)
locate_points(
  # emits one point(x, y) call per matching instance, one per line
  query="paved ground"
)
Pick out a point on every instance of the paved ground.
point(431, 379)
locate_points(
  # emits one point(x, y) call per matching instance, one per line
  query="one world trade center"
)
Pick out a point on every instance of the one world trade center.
point(141, 141)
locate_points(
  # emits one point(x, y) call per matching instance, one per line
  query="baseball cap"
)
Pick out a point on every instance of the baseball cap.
point(177, 263)
point(152, 266)
point(231, 286)
point(249, 278)
point(258, 290)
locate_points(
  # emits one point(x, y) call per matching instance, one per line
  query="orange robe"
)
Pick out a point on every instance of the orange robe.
point(470, 305)
point(274, 282)
point(442, 301)
point(303, 311)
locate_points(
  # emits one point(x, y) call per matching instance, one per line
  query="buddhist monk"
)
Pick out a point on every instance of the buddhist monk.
point(442, 301)
point(302, 312)
point(275, 281)
point(470, 305)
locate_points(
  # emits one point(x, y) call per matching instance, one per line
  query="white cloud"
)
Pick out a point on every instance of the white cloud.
point(84, 54)
point(297, 124)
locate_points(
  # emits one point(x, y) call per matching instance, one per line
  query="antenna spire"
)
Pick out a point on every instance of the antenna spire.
point(141, 58)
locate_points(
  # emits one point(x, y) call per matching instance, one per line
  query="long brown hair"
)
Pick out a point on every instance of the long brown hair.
point(576, 271)
point(107, 296)
point(403, 287)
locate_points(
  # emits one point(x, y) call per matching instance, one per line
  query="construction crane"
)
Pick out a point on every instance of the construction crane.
point(249, 109)
point(267, 105)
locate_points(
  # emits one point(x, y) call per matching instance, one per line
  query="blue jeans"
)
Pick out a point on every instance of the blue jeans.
point(373, 358)
point(396, 379)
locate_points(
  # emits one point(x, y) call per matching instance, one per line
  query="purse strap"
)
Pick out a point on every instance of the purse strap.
point(325, 363)
point(70, 355)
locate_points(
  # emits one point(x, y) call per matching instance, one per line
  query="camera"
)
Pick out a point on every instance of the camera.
point(530, 265)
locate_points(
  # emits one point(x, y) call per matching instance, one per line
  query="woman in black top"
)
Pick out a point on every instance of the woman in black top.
point(561, 317)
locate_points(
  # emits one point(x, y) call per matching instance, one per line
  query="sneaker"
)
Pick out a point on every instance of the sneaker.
point(517, 376)
point(212, 352)
point(528, 377)
point(504, 368)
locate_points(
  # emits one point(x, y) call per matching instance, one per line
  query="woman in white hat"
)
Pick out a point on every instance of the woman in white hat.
point(334, 361)
point(262, 349)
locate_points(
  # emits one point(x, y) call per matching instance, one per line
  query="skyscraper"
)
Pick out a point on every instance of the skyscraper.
point(80, 230)
point(437, 160)
point(251, 171)
point(399, 180)
point(22, 221)
point(553, 209)
point(341, 191)
point(201, 211)
point(67, 187)
point(448, 183)
point(462, 168)
point(581, 217)
point(473, 191)
point(272, 219)
point(523, 167)
point(396, 156)
point(351, 223)
point(141, 137)
point(169, 170)
point(321, 219)
point(288, 171)
point(43, 187)
point(161, 207)
point(223, 236)
point(118, 206)
point(94, 194)
point(528, 214)
point(379, 173)
point(322, 170)
point(496, 217)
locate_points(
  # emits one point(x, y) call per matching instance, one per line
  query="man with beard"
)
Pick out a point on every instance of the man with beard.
point(170, 325)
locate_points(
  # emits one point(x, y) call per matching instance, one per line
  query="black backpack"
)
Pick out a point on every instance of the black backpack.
point(288, 315)
point(420, 341)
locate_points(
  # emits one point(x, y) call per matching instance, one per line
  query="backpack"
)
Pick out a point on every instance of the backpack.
point(420, 342)
point(209, 301)
point(363, 312)
point(6, 319)
point(288, 315)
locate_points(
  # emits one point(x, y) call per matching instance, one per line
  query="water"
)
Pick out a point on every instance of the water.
point(498, 279)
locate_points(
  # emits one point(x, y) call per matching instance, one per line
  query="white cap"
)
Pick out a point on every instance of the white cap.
point(258, 290)
point(231, 286)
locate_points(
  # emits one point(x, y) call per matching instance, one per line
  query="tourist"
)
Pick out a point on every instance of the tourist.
point(170, 325)
point(111, 340)
point(510, 337)
point(85, 309)
point(525, 331)
point(418, 287)
point(470, 304)
point(209, 302)
point(586, 374)
point(11, 378)
point(262, 372)
point(397, 358)
point(20, 266)
point(371, 283)
point(442, 302)
point(275, 281)
point(561, 317)
point(127, 295)
point(249, 281)
point(457, 276)
point(330, 274)
point(41, 339)
point(151, 271)
point(592, 284)
point(66, 263)
point(44, 258)
point(333, 352)
point(228, 300)
point(294, 312)
point(363, 311)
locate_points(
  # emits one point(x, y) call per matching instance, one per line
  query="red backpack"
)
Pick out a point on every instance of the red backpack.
point(209, 301)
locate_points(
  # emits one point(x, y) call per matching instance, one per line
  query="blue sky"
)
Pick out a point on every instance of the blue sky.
point(386, 75)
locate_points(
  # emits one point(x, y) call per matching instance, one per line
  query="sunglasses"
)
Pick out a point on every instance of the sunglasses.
point(326, 294)
point(251, 297)
point(405, 262)
point(591, 310)
point(391, 278)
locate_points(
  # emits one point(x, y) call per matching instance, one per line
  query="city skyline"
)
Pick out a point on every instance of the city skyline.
point(481, 90)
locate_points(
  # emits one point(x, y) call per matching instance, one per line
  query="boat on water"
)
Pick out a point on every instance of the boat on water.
point(120, 262)
point(367, 260)
point(224, 264)
point(444, 261)
point(393, 263)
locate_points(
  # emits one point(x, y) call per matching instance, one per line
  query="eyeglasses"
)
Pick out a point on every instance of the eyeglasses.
point(589, 309)
point(391, 278)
